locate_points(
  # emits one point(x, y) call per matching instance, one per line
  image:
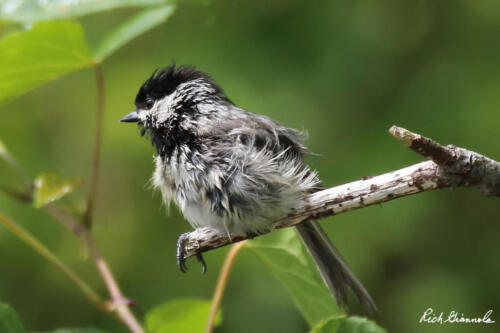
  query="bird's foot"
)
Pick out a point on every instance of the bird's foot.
point(200, 259)
point(181, 260)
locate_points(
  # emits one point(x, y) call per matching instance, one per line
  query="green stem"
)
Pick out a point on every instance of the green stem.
point(21, 196)
point(87, 218)
point(16, 166)
point(119, 303)
point(221, 284)
point(52, 258)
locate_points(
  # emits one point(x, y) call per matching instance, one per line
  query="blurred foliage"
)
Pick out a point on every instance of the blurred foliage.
point(132, 28)
point(30, 11)
point(344, 71)
point(9, 320)
point(10, 323)
point(76, 330)
point(285, 255)
point(54, 48)
point(49, 50)
point(180, 315)
point(346, 325)
point(12, 179)
point(50, 187)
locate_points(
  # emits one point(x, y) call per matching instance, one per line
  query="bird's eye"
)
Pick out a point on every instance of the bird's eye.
point(148, 103)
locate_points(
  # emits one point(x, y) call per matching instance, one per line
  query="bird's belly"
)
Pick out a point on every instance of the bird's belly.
point(190, 197)
point(245, 207)
point(199, 214)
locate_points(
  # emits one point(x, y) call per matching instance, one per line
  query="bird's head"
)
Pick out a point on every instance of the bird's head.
point(172, 93)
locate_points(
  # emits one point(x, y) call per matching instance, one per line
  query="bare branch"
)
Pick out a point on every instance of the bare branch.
point(118, 303)
point(450, 167)
point(461, 166)
point(423, 146)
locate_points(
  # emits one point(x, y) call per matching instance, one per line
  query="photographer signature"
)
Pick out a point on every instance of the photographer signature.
point(431, 317)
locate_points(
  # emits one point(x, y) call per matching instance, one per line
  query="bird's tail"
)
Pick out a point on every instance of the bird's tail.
point(332, 267)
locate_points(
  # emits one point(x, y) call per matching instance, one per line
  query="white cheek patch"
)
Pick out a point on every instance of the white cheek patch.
point(144, 115)
point(159, 113)
point(162, 109)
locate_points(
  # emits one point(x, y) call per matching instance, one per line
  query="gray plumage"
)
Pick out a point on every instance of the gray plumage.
point(230, 169)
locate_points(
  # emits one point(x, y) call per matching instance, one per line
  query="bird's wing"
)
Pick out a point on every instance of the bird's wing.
point(257, 130)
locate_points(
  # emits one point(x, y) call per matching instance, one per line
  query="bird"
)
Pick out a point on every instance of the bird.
point(232, 170)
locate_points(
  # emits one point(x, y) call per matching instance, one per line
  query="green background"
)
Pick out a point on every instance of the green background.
point(345, 71)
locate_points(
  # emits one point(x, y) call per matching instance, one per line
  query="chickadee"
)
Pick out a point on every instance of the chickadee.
point(230, 169)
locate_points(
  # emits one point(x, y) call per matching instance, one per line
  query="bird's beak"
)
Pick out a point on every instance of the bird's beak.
point(131, 117)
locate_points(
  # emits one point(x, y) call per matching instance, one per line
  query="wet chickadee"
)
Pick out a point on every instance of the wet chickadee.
point(230, 169)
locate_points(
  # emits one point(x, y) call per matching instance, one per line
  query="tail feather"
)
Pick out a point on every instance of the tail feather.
point(332, 267)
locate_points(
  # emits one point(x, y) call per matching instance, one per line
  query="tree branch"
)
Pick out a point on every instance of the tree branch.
point(450, 167)
point(119, 303)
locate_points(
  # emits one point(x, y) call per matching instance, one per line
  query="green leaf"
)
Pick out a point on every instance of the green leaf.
point(283, 253)
point(348, 325)
point(180, 315)
point(50, 187)
point(30, 58)
point(28, 12)
point(9, 320)
point(132, 28)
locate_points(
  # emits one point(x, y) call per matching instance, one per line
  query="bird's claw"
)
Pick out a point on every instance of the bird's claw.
point(200, 259)
point(181, 260)
point(181, 263)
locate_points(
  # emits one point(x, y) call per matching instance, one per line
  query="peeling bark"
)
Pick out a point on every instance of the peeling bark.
point(450, 166)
